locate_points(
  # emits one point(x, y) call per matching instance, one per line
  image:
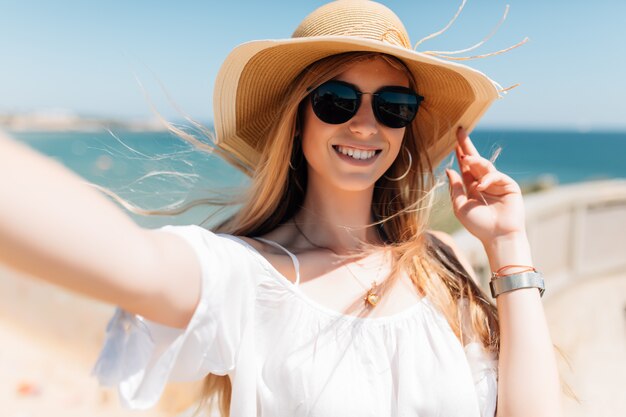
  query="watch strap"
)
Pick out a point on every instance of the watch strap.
point(513, 282)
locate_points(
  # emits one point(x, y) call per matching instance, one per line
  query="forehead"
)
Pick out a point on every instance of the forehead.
point(372, 74)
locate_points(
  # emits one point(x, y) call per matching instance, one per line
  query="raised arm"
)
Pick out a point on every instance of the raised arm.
point(489, 204)
point(56, 227)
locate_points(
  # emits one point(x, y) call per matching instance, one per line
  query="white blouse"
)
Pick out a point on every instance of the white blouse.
point(287, 355)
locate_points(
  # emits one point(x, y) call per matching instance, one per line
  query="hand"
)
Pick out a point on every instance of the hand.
point(487, 202)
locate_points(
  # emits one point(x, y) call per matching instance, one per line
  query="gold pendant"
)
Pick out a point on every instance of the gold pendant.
point(372, 298)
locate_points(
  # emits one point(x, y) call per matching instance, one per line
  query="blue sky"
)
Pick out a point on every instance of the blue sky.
point(82, 55)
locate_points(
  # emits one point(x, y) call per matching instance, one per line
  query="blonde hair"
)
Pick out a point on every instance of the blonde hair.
point(400, 209)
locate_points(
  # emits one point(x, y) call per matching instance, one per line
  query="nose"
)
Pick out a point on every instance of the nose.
point(364, 122)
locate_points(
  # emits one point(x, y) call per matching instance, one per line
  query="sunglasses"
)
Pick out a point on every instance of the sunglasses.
point(336, 102)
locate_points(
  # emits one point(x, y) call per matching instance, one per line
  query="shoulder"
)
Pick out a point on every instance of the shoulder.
point(280, 259)
point(253, 243)
point(261, 247)
point(281, 236)
point(443, 238)
point(440, 238)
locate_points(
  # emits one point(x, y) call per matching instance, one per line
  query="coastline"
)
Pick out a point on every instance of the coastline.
point(66, 121)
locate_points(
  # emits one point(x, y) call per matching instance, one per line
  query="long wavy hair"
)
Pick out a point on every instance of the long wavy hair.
point(400, 210)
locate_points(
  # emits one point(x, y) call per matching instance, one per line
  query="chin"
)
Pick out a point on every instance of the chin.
point(356, 183)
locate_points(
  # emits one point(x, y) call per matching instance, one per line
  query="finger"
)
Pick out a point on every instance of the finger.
point(478, 166)
point(468, 179)
point(460, 156)
point(457, 192)
point(459, 152)
point(493, 178)
point(465, 143)
point(467, 176)
point(497, 183)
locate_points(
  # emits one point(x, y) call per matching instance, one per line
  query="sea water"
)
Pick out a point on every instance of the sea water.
point(156, 169)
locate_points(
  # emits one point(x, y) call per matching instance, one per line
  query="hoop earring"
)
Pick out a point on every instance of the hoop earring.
point(407, 170)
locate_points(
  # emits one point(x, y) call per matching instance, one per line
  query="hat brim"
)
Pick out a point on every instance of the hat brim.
point(256, 75)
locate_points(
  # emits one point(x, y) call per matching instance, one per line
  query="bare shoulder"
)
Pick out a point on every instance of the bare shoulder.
point(449, 241)
point(275, 256)
point(280, 235)
point(257, 245)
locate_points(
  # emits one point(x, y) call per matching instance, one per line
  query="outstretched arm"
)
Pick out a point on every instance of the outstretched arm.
point(489, 204)
point(56, 227)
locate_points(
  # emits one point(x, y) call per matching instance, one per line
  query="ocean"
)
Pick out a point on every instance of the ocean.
point(153, 169)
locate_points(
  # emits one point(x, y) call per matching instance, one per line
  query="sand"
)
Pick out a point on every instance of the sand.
point(50, 340)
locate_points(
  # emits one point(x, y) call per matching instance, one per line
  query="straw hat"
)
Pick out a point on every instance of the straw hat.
point(255, 76)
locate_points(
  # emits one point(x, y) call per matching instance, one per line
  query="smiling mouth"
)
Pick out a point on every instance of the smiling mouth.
point(359, 154)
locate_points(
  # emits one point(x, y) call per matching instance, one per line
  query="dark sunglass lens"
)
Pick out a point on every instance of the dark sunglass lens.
point(396, 109)
point(334, 102)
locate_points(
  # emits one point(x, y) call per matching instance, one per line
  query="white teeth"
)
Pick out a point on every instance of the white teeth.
point(355, 153)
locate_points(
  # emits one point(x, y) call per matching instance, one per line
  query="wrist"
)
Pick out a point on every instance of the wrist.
point(510, 249)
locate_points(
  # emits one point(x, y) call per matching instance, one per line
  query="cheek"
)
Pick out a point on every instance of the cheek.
point(315, 136)
point(396, 137)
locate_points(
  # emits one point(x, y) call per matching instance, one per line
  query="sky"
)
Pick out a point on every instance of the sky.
point(96, 58)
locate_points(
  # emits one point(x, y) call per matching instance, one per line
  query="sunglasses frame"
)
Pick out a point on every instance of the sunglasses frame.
point(375, 102)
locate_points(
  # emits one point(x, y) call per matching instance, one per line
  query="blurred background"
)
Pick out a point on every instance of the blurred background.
point(86, 82)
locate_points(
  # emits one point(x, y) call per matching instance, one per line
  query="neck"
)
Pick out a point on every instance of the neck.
point(337, 220)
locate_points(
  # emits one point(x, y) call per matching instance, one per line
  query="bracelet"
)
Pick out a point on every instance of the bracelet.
point(499, 273)
point(528, 278)
point(517, 281)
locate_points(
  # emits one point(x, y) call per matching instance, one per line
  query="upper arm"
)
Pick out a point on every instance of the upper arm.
point(193, 279)
point(85, 244)
point(171, 279)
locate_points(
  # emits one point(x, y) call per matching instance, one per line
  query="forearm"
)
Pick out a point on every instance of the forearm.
point(528, 381)
point(55, 226)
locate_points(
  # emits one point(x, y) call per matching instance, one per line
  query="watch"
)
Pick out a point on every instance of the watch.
point(513, 282)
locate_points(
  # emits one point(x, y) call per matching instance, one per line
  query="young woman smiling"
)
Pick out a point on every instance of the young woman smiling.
point(325, 293)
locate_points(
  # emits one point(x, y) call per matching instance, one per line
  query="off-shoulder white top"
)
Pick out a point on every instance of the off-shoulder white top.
point(287, 355)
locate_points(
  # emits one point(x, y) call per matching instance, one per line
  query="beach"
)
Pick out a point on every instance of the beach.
point(50, 342)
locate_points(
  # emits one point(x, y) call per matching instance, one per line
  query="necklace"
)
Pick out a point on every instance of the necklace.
point(371, 297)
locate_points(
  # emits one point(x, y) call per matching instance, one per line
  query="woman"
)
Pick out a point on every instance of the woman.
point(324, 294)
